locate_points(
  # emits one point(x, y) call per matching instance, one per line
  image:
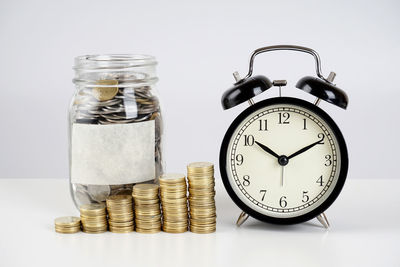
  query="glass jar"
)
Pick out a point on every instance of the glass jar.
point(115, 126)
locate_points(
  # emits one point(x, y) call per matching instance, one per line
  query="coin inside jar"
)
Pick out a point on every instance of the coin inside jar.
point(105, 93)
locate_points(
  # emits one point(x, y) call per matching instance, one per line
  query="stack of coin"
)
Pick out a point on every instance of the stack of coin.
point(203, 216)
point(67, 225)
point(147, 208)
point(94, 218)
point(174, 202)
point(120, 213)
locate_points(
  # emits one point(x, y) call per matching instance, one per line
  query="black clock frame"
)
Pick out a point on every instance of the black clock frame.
point(342, 173)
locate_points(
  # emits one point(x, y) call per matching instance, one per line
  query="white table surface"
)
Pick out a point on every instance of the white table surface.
point(365, 231)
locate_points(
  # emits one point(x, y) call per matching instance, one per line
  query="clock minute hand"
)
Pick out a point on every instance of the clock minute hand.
point(304, 149)
point(267, 149)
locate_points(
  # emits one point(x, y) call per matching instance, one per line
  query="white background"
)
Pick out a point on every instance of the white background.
point(198, 46)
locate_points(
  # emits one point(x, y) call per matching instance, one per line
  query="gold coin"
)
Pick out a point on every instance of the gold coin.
point(171, 215)
point(175, 211)
point(139, 202)
point(200, 176)
point(200, 165)
point(141, 220)
point(202, 209)
point(148, 206)
point(120, 207)
point(120, 220)
point(92, 228)
point(173, 189)
point(148, 225)
point(120, 215)
point(67, 227)
point(175, 230)
point(124, 217)
point(173, 195)
point(118, 231)
point(105, 93)
point(195, 215)
point(200, 172)
point(85, 221)
point(205, 225)
point(93, 208)
point(149, 215)
point(202, 204)
point(144, 198)
point(176, 224)
point(178, 206)
point(69, 231)
point(167, 186)
point(148, 231)
point(67, 221)
point(94, 231)
point(127, 229)
point(200, 217)
point(120, 212)
point(211, 219)
point(169, 178)
point(92, 220)
point(193, 200)
point(175, 201)
point(144, 211)
point(202, 184)
point(119, 198)
point(203, 222)
point(120, 224)
point(202, 231)
point(204, 196)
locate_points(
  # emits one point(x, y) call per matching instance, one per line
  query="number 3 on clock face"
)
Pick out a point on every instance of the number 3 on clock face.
point(283, 160)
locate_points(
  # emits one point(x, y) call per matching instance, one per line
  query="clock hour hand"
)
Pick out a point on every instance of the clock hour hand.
point(267, 149)
point(304, 149)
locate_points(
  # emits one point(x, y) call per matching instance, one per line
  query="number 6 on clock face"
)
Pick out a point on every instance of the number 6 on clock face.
point(283, 160)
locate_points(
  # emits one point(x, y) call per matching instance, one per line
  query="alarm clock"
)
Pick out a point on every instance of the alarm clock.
point(283, 160)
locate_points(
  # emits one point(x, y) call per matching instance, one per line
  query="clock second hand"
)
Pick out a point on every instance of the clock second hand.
point(282, 160)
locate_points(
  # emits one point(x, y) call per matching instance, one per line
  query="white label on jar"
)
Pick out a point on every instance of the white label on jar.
point(112, 154)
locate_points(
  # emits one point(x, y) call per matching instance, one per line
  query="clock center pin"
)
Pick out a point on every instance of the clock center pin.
point(283, 160)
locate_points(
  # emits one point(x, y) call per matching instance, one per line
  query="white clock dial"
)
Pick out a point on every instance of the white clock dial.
point(267, 139)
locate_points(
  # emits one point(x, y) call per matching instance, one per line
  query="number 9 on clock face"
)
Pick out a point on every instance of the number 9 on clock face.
point(283, 160)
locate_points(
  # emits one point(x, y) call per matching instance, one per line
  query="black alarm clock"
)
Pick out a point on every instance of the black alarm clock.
point(283, 160)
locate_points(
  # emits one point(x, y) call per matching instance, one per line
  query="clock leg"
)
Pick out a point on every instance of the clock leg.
point(242, 218)
point(323, 220)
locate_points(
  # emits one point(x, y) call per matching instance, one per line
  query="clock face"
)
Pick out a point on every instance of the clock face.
point(283, 160)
